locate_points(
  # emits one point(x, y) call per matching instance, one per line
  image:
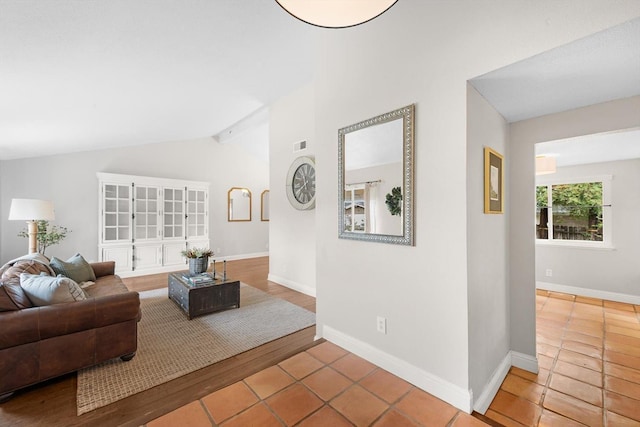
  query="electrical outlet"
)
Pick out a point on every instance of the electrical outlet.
point(549, 272)
point(218, 250)
point(382, 325)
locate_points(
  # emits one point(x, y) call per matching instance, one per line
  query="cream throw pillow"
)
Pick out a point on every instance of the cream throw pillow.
point(48, 290)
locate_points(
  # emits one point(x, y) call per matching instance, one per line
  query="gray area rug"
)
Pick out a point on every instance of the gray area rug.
point(170, 345)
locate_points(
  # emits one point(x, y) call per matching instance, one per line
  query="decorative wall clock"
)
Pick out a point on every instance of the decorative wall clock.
point(301, 183)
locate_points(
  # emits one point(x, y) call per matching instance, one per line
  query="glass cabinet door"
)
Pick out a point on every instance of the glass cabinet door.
point(196, 213)
point(146, 222)
point(117, 213)
point(146, 212)
point(174, 213)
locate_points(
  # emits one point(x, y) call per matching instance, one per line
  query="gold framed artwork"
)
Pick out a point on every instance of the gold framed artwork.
point(493, 181)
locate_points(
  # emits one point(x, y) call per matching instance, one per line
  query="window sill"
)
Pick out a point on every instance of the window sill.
point(599, 246)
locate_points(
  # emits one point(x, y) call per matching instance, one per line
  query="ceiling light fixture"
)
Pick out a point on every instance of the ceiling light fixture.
point(336, 13)
point(545, 165)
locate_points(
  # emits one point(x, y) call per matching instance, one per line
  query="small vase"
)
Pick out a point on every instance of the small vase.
point(198, 265)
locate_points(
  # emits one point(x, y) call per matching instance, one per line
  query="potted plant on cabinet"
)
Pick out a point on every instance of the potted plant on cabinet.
point(198, 259)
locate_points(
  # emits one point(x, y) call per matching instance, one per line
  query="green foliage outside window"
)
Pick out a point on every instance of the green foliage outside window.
point(541, 196)
point(576, 209)
point(584, 199)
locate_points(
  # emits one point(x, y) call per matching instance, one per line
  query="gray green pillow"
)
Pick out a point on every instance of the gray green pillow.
point(47, 290)
point(76, 268)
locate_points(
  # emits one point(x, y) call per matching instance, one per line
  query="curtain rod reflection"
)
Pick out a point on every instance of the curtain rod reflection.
point(364, 182)
point(577, 206)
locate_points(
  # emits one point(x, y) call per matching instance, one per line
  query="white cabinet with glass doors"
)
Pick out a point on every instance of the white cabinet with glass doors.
point(145, 222)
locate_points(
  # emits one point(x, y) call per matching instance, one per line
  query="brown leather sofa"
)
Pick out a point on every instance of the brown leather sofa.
point(39, 343)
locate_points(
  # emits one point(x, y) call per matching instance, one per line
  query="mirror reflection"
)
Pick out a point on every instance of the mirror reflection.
point(239, 204)
point(372, 168)
point(264, 206)
point(376, 178)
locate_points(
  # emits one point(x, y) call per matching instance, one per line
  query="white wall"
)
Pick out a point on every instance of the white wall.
point(390, 176)
point(292, 248)
point(70, 182)
point(424, 52)
point(607, 271)
point(240, 163)
point(487, 248)
point(609, 116)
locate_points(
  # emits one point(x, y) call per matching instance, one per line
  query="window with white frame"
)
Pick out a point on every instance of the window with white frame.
point(574, 211)
point(355, 208)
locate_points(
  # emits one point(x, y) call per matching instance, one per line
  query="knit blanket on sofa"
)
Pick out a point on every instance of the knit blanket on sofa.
point(41, 260)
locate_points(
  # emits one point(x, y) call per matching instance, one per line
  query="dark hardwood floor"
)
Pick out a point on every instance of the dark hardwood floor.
point(53, 403)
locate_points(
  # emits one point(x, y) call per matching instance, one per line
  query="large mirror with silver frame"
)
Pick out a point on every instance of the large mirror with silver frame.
point(239, 204)
point(375, 178)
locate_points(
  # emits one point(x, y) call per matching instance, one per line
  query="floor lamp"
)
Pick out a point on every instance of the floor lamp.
point(32, 210)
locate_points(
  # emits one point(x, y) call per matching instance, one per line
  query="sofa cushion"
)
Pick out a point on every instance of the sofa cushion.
point(47, 290)
point(104, 268)
point(76, 268)
point(106, 285)
point(6, 303)
point(15, 292)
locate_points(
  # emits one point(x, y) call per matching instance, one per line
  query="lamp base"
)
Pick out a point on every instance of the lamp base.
point(33, 233)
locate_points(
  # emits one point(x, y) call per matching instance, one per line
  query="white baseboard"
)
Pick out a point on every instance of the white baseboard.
point(185, 266)
point(450, 393)
point(524, 361)
point(513, 358)
point(147, 271)
point(242, 256)
point(591, 293)
point(307, 290)
point(491, 389)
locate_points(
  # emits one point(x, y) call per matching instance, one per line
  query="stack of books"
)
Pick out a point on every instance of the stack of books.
point(199, 279)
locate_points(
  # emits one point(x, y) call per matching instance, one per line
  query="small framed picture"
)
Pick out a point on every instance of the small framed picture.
point(493, 181)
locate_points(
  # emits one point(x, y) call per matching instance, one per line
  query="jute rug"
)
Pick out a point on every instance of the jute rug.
point(170, 345)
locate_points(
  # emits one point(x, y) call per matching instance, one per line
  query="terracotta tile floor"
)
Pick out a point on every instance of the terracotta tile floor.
point(323, 386)
point(589, 357)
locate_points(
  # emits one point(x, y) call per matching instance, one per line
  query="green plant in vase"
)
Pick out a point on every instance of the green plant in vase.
point(198, 259)
point(47, 236)
point(393, 201)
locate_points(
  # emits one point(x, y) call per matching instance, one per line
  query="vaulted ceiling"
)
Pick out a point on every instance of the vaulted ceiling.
point(84, 75)
point(81, 75)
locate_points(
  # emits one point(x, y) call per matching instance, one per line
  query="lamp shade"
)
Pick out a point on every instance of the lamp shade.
point(336, 13)
point(31, 210)
point(545, 165)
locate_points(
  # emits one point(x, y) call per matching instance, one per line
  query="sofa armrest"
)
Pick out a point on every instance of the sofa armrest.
point(104, 268)
point(39, 323)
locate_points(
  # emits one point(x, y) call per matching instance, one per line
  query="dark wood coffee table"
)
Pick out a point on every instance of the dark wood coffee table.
point(196, 300)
